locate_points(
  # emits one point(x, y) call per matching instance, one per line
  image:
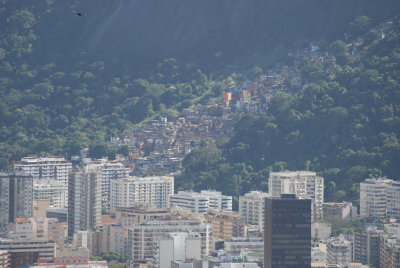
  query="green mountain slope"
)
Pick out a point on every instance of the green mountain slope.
point(71, 81)
point(345, 124)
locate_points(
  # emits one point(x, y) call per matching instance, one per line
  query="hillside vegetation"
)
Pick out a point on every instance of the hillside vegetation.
point(344, 124)
point(71, 81)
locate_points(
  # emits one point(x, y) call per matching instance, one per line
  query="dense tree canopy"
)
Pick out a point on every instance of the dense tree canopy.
point(344, 124)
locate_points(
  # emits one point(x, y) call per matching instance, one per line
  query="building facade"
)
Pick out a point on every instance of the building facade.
point(304, 184)
point(287, 232)
point(339, 251)
point(16, 198)
point(38, 228)
point(46, 168)
point(84, 204)
point(24, 253)
point(341, 210)
point(111, 170)
point(200, 202)
point(142, 238)
point(52, 190)
point(390, 252)
point(380, 198)
point(252, 208)
point(4, 260)
point(226, 224)
point(367, 246)
point(135, 190)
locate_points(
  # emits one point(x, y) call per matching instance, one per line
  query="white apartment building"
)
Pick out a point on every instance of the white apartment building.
point(178, 246)
point(393, 200)
point(200, 202)
point(380, 198)
point(52, 190)
point(252, 207)
point(142, 238)
point(338, 251)
point(304, 184)
point(149, 190)
point(46, 168)
point(111, 170)
point(252, 244)
point(50, 168)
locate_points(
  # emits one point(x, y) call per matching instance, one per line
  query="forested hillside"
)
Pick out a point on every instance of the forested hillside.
point(344, 124)
point(69, 81)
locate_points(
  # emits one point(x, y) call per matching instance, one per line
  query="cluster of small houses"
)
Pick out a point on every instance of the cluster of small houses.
point(161, 145)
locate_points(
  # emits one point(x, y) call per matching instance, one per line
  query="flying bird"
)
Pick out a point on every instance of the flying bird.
point(80, 14)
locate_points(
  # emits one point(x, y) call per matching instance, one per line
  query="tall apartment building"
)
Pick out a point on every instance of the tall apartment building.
point(252, 208)
point(287, 232)
point(111, 170)
point(339, 251)
point(226, 224)
point(393, 201)
point(380, 198)
point(52, 190)
point(366, 246)
point(46, 168)
point(15, 198)
point(84, 204)
point(149, 190)
point(142, 238)
point(304, 184)
point(23, 253)
point(390, 252)
point(200, 202)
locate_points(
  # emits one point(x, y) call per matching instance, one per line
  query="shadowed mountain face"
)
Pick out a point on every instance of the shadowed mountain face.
point(197, 28)
point(169, 26)
point(164, 27)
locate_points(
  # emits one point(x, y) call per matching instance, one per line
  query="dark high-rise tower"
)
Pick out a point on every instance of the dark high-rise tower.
point(287, 232)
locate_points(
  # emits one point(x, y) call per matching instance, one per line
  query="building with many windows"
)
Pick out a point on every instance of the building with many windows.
point(84, 204)
point(252, 208)
point(16, 198)
point(4, 260)
point(143, 238)
point(52, 190)
point(200, 202)
point(226, 224)
point(304, 184)
point(342, 210)
point(287, 232)
point(339, 251)
point(366, 245)
point(23, 253)
point(46, 168)
point(38, 228)
point(149, 190)
point(380, 198)
point(390, 252)
point(111, 170)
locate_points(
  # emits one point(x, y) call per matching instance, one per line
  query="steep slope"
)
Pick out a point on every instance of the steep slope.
point(344, 124)
point(174, 27)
